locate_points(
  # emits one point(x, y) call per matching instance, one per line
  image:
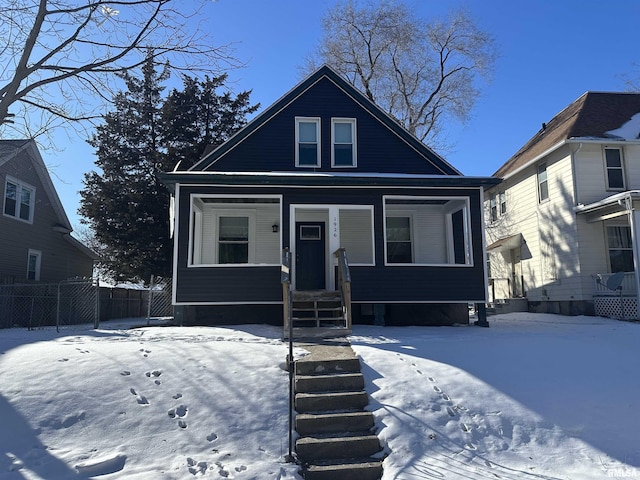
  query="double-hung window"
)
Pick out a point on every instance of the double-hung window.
point(343, 142)
point(19, 200)
point(399, 246)
point(543, 183)
point(233, 239)
point(615, 170)
point(307, 142)
point(620, 248)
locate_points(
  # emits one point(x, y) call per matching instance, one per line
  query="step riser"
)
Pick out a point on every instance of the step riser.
point(367, 472)
point(327, 366)
point(319, 424)
point(337, 448)
point(329, 383)
point(309, 402)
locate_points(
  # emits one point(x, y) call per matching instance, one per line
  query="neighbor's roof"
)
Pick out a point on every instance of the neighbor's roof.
point(595, 115)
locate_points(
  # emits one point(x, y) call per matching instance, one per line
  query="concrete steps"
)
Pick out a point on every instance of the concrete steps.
point(336, 439)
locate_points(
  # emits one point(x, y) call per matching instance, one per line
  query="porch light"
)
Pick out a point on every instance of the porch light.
point(275, 228)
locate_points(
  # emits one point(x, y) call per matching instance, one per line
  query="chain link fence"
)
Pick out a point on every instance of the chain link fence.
point(80, 301)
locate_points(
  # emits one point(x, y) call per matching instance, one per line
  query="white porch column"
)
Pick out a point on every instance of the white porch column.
point(634, 223)
point(334, 240)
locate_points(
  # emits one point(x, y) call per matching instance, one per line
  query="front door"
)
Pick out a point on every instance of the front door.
point(516, 273)
point(310, 256)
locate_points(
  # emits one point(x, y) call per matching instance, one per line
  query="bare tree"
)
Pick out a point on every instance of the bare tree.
point(421, 72)
point(60, 59)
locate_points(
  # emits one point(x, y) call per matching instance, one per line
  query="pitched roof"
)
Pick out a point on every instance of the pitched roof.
point(592, 116)
point(211, 155)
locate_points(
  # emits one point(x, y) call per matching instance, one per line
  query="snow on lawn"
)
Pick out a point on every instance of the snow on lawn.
point(532, 397)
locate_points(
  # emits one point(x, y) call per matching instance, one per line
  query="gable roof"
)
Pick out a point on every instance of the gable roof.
point(211, 156)
point(10, 149)
point(595, 115)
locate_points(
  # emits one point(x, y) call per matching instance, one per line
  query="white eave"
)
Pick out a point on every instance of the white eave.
point(612, 200)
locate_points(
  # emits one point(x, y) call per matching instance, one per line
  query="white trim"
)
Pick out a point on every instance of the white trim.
point(354, 142)
point(176, 236)
point(227, 303)
point(622, 168)
point(38, 255)
point(20, 185)
point(317, 122)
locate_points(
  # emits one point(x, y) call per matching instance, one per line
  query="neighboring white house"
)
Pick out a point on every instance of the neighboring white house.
point(565, 219)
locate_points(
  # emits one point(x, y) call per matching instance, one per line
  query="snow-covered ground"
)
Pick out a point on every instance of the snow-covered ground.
point(532, 397)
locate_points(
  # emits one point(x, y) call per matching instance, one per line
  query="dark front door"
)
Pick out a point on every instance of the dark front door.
point(310, 262)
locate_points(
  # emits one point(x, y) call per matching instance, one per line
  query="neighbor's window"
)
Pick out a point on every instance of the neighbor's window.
point(19, 200)
point(343, 142)
point(503, 203)
point(543, 184)
point(615, 172)
point(33, 265)
point(399, 249)
point(494, 208)
point(620, 248)
point(307, 142)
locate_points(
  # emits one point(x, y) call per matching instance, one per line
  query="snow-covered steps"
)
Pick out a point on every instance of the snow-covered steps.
point(336, 439)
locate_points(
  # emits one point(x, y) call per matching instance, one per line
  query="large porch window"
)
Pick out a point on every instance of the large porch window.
point(620, 248)
point(228, 230)
point(427, 231)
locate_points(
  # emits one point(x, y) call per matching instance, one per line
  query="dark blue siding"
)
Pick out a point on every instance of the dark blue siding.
point(272, 146)
point(370, 284)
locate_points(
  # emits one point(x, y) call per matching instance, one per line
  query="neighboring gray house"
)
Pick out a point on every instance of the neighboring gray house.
point(563, 228)
point(35, 234)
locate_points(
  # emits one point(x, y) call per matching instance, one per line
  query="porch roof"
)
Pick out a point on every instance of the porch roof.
point(307, 179)
point(507, 243)
point(609, 207)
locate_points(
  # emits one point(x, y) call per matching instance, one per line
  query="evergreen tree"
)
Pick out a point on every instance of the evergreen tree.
point(126, 204)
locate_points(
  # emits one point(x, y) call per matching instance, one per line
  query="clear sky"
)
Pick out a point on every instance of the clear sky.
point(550, 53)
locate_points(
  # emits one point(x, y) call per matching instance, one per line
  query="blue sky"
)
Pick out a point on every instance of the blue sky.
point(550, 53)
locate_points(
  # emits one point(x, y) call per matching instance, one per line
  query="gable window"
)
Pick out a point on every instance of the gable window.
point(620, 248)
point(33, 265)
point(19, 200)
point(615, 172)
point(343, 142)
point(399, 247)
point(307, 142)
point(543, 183)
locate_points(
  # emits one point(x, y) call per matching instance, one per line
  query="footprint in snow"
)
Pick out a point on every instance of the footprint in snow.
point(155, 373)
point(451, 412)
point(180, 411)
point(241, 468)
point(465, 428)
point(212, 437)
point(437, 389)
point(125, 373)
point(182, 424)
point(176, 396)
point(63, 360)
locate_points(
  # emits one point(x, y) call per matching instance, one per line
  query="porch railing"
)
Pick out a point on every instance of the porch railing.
point(600, 289)
point(344, 284)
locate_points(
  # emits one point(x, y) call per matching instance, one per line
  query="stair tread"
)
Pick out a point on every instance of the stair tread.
point(336, 437)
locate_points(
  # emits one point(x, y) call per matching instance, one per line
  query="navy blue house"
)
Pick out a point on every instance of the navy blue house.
point(377, 227)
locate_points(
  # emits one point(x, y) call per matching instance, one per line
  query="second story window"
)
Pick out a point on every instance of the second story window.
point(615, 171)
point(543, 183)
point(19, 200)
point(343, 142)
point(494, 208)
point(503, 203)
point(307, 142)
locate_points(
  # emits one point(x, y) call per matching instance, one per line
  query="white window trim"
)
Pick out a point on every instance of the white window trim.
point(468, 231)
point(606, 169)
point(38, 255)
point(246, 213)
point(20, 185)
point(315, 120)
point(195, 232)
point(354, 136)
